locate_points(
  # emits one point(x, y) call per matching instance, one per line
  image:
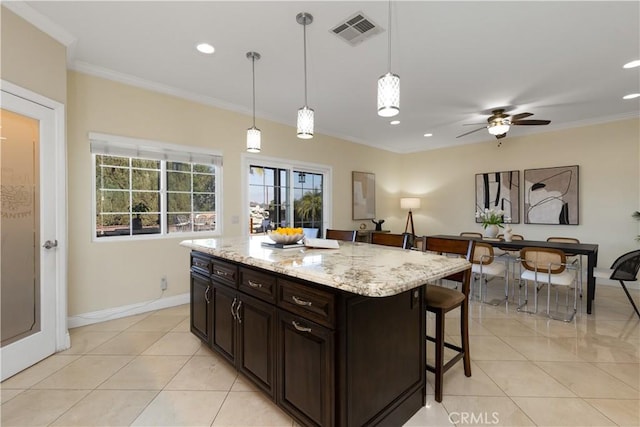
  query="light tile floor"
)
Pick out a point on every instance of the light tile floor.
point(149, 370)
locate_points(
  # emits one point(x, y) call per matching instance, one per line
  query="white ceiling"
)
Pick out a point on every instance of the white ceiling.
point(561, 61)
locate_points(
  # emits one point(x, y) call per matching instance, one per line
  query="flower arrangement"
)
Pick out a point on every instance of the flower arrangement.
point(491, 216)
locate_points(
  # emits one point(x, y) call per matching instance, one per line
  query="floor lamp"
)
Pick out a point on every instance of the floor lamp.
point(410, 203)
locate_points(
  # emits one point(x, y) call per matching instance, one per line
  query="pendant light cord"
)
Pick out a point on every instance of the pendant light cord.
point(389, 37)
point(253, 72)
point(304, 38)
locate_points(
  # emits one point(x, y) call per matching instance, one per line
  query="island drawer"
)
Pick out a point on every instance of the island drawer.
point(259, 284)
point(200, 263)
point(224, 272)
point(308, 302)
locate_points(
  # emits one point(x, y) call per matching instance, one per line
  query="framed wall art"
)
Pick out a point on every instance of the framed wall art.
point(363, 195)
point(499, 190)
point(551, 195)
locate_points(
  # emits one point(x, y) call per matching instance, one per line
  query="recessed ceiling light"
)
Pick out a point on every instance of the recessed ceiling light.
point(205, 48)
point(632, 64)
point(394, 122)
point(427, 135)
point(631, 96)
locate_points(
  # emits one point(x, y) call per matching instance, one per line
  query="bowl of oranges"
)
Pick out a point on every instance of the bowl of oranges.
point(286, 235)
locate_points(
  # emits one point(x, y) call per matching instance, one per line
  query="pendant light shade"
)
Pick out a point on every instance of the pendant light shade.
point(305, 114)
point(253, 133)
point(389, 85)
point(388, 95)
point(305, 123)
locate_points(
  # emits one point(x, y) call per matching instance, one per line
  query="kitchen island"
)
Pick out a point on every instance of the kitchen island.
point(334, 337)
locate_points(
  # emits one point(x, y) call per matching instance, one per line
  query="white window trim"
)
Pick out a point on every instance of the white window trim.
point(327, 186)
point(127, 143)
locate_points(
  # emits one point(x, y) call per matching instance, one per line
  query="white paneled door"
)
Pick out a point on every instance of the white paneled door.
point(31, 252)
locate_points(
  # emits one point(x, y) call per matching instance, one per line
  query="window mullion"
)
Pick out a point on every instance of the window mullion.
point(163, 198)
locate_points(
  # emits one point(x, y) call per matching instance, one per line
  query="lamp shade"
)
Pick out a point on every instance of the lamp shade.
point(410, 203)
point(305, 123)
point(388, 95)
point(498, 128)
point(253, 140)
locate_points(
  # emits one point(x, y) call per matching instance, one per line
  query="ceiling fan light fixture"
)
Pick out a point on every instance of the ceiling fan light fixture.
point(498, 128)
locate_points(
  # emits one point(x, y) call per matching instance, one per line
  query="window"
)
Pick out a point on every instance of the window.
point(287, 195)
point(146, 188)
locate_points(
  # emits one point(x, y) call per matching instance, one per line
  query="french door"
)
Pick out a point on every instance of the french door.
point(32, 316)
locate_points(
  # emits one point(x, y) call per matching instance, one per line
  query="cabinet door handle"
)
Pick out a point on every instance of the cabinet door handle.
point(238, 312)
point(300, 328)
point(300, 301)
point(255, 284)
point(206, 294)
point(233, 304)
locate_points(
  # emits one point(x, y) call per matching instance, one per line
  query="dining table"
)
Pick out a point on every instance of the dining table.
point(590, 250)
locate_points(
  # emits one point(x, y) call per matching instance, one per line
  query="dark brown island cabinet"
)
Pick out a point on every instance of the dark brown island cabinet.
point(325, 356)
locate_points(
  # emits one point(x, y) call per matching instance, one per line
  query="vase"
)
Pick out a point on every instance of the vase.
point(508, 233)
point(491, 231)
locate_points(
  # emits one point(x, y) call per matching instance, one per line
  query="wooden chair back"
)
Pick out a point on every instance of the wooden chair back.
point(344, 235)
point(463, 248)
point(543, 260)
point(390, 239)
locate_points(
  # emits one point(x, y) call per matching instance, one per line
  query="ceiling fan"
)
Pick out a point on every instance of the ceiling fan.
point(499, 123)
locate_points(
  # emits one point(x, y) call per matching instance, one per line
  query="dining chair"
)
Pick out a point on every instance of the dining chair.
point(344, 235)
point(574, 260)
point(485, 265)
point(547, 266)
point(440, 300)
point(511, 258)
point(471, 234)
point(623, 269)
point(390, 239)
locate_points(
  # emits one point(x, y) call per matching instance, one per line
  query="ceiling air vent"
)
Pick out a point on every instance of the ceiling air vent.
point(356, 29)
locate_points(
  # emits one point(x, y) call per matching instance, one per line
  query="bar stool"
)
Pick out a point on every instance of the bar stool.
point(440, 300)
point(390, 239)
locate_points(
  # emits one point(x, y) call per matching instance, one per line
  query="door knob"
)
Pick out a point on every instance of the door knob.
point(49, 244)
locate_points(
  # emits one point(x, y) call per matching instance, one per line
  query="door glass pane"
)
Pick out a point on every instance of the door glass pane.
point(19, 222)
point(308, 200)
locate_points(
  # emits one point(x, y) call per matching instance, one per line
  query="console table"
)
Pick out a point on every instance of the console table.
point(335, 337)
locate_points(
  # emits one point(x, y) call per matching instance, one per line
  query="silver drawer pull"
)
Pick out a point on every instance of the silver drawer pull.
point(221, 273)
point(255, 284)
point(300, 328)
point(300, 301)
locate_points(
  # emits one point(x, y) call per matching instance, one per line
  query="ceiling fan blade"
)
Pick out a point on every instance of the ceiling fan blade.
point(520, 116)
point(531, 122)
point(475, 130)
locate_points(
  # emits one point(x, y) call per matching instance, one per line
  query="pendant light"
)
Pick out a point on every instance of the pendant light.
point(305, 114)
point(253, 133)
point(389, 85)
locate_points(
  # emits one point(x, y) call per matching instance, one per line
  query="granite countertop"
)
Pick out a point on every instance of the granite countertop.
point(359, 268)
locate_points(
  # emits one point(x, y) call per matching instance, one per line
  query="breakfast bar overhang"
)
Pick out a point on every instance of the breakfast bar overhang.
point(334, 337)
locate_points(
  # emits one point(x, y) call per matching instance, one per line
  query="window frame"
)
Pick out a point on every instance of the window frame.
point(188, 154)
point(291, 165)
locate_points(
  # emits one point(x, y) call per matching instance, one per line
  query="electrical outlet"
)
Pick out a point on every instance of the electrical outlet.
point(163, 283)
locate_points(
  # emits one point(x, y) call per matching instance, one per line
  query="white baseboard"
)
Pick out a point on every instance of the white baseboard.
point(127, 310)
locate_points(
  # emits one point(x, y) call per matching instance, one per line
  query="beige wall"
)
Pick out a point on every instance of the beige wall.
point(112, 274)
point(607, 156)
point(31, 59)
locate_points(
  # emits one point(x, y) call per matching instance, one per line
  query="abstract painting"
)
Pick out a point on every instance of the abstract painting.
point(551, 195)
point(499, 190)
point(364, 195)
